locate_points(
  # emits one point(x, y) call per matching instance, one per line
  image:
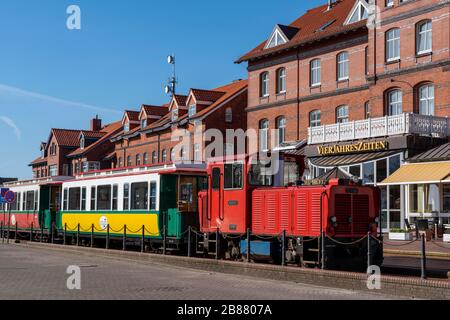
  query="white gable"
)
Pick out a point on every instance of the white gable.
point(360, 11)
point(277, 38)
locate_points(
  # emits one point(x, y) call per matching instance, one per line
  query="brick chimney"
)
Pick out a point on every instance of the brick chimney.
point(96, 124)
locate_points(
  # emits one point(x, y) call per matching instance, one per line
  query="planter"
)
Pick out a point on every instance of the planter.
point(400, 236)
point(447, 238)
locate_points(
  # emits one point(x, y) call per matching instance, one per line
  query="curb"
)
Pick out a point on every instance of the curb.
point(391, 285)
point(417, 253)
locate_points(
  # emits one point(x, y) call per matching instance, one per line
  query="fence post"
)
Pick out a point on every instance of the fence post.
point(92, 236)
point(124, 243)
point(78, 236)
point(283, 248)
point(217, 244)
point(369, 260)
point(8, 233)
point(1, 231)
point(15, 233)
point(249, 255)
point(31, 233)
point(189, 242)
point(424, 258)
point(107, 237)
point(42, 233)
point(143, 239)
point(53, 232)
point(65, 234)
point(164, 240)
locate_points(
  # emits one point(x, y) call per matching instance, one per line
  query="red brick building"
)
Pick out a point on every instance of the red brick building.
point(365, 83)
point(146, 138)
point(68, 152)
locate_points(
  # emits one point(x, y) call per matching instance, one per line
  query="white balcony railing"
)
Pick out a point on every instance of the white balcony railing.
point(406, 123)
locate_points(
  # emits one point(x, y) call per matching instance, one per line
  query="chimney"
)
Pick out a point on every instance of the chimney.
point(96, 124)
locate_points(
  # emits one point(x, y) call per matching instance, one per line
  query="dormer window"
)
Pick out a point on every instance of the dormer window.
point(192, 110)
point(276, 39)
point(174, 114)
point(143, 123)
point(126, 127)
point(82, 141)
point(360, 12)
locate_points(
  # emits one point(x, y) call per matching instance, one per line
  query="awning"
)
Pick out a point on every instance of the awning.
point(350, 159)
point(417, 173)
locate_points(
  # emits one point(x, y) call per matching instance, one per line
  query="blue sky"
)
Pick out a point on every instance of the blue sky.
point(54, 77)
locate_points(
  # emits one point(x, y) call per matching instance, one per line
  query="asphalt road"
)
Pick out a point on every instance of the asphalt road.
point(37, 274)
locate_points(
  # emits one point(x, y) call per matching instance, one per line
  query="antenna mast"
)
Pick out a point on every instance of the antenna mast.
point(172, 82)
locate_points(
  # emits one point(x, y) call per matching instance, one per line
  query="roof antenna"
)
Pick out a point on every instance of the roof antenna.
point(172, 83)
point(330, 4)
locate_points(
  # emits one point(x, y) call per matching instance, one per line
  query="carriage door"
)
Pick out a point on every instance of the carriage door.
point(216, 197)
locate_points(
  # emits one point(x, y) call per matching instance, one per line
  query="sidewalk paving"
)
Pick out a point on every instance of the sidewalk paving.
point(436, 248)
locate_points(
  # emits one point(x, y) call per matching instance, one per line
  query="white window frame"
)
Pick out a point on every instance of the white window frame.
point(391, 103)
point(427, 35)
point(192, 110)
point(281, 129)
point(281, 80)
point(315, 71)
point(265, 84)
point(264, 135)
point(343, 65)
point(314, 120)
point(393, 45)
point(342, 117)
point(426, 101)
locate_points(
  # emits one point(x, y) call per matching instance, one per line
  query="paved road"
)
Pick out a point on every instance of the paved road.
point(28, 273)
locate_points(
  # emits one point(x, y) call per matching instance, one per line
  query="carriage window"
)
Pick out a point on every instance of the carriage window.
point(139, 196)
point(83, 199)
point(216, 179)
point(16, 204)
point(126, 196)
point(74, 199)
point(114, 197)
point(30, 201)
point(104, 197)
point(93, 198)
point(233, 176)
point(36, 202)
point(65, 200)
point(152, 195)
point(24, 201)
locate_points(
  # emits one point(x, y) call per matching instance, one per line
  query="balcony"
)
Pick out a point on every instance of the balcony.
point(406, 123)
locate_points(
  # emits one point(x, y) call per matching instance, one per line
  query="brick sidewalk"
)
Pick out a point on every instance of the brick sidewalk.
point(435, 246)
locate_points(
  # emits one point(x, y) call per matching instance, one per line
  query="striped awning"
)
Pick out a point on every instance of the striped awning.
point(349, 159)
point(418, 173)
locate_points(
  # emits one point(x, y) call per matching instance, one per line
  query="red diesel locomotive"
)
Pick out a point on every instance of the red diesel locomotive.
point(332, 216)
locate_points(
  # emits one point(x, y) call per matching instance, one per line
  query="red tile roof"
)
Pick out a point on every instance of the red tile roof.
point(132, 115)
point(309, 26)
point(180, 99)
point(67, 138)
point(38, 161)
point(93, 134)
point(207, 95)
point(108, 132)
point(155, 110)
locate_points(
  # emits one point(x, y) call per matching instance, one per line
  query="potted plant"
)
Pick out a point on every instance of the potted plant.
point(447, 235)
point(400, 234)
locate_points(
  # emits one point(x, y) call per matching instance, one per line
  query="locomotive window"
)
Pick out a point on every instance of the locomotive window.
point(233, 176)
point(139, 196)
point(260, 175)
point(216, 179)
point(83, 199)
point(114, 197)
point(104, 197)
point(152, 195)
point(74, 199)
point(126, 196)
point(93, 198)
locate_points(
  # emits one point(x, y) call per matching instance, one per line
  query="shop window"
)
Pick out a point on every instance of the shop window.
point(233, 176)
point(424, 198)
point(74, 199)
point(369, 172)
point(381, 170)
point(355, 171)
point(104, 197)
point(139, 196)
point(446, 198)
point(394, 164)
